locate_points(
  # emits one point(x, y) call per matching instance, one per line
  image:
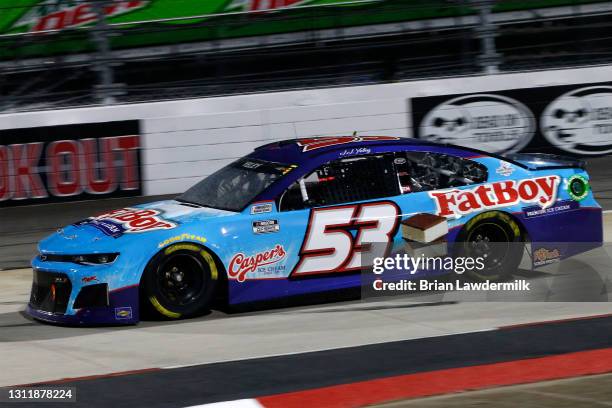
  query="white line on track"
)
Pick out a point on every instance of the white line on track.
point(244, 403)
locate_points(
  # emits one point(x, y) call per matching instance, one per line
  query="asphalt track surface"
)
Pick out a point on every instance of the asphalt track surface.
point(222, 356)
point(180, 387)
point(228, 357)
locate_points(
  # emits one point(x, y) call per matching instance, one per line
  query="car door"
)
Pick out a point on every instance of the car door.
point(355, 207)
point(333, 213)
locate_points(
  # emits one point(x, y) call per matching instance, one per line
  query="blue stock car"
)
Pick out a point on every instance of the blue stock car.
point(296, 217)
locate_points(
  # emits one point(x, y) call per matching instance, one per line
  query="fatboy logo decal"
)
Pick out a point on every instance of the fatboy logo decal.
point(457, 203)
point(129, 220)
point(242, 264)
point(315, 143)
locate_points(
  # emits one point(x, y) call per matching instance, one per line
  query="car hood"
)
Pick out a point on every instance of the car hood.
point(114, 230)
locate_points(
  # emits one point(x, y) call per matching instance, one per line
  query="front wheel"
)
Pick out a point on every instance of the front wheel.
point(496, 239)
point(180, 281)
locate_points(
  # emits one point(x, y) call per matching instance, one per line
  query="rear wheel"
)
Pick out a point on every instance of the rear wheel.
point(495, 238)
point(180, 281)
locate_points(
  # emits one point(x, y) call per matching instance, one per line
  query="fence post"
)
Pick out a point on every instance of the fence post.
point(106, 90)
point(489, 60)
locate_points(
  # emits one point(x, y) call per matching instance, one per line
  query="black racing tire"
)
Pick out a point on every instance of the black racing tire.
point(497, 238)
point(179, 282)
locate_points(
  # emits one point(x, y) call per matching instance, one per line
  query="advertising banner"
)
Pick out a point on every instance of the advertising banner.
point(69, 163)
point(570, 119)
point(214, 19)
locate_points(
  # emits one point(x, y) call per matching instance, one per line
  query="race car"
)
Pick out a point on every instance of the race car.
point(299, 217)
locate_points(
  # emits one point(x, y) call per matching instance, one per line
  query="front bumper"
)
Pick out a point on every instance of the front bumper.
point(64, 293)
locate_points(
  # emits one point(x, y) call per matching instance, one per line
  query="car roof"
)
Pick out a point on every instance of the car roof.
point(311, 152)
point(298, 151)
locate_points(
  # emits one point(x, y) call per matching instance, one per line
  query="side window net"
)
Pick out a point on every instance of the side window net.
point(343, 181)
point(371, 177)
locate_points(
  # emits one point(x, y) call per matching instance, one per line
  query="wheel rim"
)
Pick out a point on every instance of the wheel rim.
point(491, 242)
point(180, 280)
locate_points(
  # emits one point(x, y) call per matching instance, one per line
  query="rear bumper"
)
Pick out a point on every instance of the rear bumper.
point(568, 233)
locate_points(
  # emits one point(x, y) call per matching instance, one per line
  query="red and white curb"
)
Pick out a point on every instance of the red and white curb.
point(438, 382)
point(418, 385)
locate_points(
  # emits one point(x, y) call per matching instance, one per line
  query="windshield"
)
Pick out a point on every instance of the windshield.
point(233, 187)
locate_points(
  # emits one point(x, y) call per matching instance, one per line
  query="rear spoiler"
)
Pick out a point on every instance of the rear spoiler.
point(542, 161)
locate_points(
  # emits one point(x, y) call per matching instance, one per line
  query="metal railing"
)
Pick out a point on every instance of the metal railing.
point(414, 49)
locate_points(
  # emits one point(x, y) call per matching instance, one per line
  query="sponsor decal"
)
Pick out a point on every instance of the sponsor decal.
point(89, 279)
point(494, 123)
point(107, 227)
point(58, 15)
point(254, 165)
point(240, 264)
point(182, 247)
point(578, 187)
point(544, 256)
point(505, 169)
point(123, 313)
point(580, 121)
point(265, 227)
point(60, 231)
point(262, 207)
point(68, 163)
point(251, 165)
point(287, 170)
point(457, 203)
point(315, 143)
point(128, 221)
point(182, 237)
point(559, 207)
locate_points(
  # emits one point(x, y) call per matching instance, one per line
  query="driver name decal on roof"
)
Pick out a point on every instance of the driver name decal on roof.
point(457, 203)
point(128, 220)
point(315, 143)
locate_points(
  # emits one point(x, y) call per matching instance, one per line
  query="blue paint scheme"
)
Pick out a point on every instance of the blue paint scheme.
point(229, 233)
